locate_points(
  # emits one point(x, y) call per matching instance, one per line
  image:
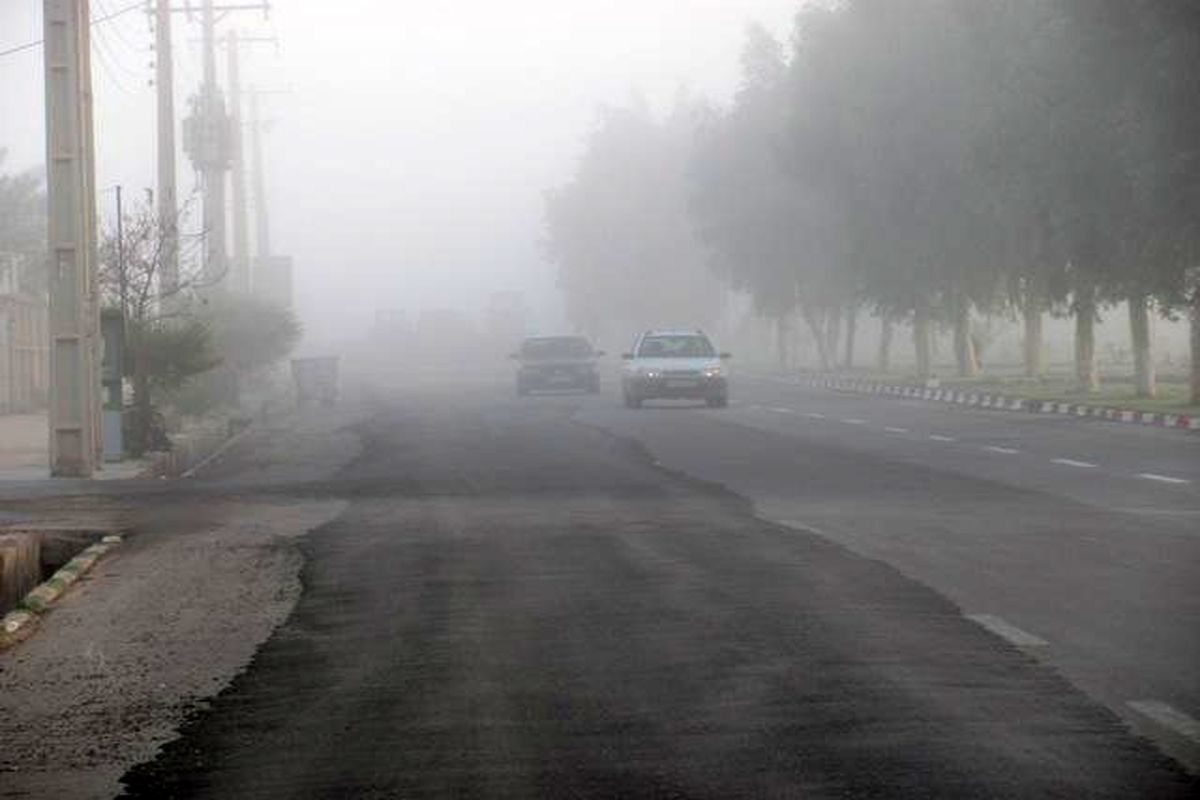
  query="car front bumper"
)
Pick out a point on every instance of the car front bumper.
point(666, 387)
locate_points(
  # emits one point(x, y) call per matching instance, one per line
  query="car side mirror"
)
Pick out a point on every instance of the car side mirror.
point(627, 356)
point(725, 356)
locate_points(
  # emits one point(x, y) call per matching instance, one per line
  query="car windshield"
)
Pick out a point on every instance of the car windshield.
point(686, 346)
point(556, 347)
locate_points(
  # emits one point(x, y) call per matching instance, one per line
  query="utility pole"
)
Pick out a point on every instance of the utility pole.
point(70, 181)
point(262, 229)
point(241, 245)
point(122, 278)
point(168, 205)
point(214, 145)
point(208, 141)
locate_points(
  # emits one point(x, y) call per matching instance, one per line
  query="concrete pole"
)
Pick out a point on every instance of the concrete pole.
point(215, 138)
point(168, 205)
point(240, 266)
point(74, 316)
point(262, 228)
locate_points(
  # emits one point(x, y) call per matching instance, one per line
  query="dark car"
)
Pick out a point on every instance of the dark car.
point(557, 363)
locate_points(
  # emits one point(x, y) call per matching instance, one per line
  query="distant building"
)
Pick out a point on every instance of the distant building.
point(24, 343)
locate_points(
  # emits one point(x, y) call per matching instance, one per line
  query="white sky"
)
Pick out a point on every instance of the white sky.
point(408, 161)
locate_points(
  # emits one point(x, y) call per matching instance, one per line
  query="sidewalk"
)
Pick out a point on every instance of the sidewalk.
point(24, 452)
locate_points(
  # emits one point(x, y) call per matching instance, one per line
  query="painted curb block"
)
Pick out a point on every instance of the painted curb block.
point(16, 625)
point(1001, 402)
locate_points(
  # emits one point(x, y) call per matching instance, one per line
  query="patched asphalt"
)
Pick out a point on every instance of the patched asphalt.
point(515, 605)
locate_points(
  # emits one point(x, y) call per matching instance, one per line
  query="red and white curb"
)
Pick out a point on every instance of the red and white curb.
point(1001, 402)
point(16, 625)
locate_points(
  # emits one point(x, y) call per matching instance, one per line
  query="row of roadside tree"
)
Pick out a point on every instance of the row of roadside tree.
point(921, 160)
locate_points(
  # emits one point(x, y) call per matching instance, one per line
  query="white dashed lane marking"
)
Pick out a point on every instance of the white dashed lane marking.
point(1070, 462)
point(1010, 632)
point(815, 415)
point(854, 421)
point(896, 430)
point(937, 437)
point(1168, 716)
point(1008, 451)
point(781, 410)
point(1152, 476)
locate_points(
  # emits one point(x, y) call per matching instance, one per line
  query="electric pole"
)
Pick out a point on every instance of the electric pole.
point(168, 206)
point(262, 230)
point(240, 273)
point(214, 145)
point(208, 140)
point(70, 181)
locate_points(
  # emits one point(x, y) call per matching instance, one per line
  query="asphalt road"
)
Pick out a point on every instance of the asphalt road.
point(518, 602)
point(1059, 532)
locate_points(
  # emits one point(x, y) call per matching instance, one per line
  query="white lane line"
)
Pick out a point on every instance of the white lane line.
point(1008, 451)
point(854, 421)
point(1070, 462)
point(896, 430)
point(1152, 476)
point(782, 410)
point(1168, 716)
point(937, 437)
point(814, 415)
point(1010, 632)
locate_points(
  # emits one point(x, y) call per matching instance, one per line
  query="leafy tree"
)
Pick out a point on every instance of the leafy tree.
point(166, 343)
point(619, 233)
point(23, 223)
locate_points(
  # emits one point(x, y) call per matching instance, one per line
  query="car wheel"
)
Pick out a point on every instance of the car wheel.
point(718, 401)
point(632, 401)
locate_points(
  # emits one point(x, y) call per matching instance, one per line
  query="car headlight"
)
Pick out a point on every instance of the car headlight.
point(713, 372)
point(650, 374)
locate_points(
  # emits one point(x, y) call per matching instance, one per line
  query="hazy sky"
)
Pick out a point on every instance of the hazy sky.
point(408, 159)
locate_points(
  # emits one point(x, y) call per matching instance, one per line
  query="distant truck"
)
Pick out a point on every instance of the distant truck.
point(316, 381)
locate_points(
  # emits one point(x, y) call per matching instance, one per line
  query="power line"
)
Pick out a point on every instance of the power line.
point(96, 21)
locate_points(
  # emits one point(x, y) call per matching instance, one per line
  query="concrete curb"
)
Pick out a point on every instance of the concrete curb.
point(999, 402)
point(18, 624)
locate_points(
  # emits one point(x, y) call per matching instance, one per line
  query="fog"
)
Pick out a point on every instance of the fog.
point(408, 158)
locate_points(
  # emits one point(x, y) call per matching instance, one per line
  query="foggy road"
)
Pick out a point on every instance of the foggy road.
point(518, 603)
point(1047, 524)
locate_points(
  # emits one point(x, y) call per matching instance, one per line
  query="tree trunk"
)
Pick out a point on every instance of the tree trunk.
point(816, 325)
point(140, 440)
point(1086, 375)
point(922, 343)
point(782, 352)
point(1139, 336)
point(851, 329)
point(964, 345)
point(885, 343)
point(833, 334)
point(1195, 347)
point(1034, 367)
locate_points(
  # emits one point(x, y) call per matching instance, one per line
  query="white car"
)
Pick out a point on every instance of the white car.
point(671, 364)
